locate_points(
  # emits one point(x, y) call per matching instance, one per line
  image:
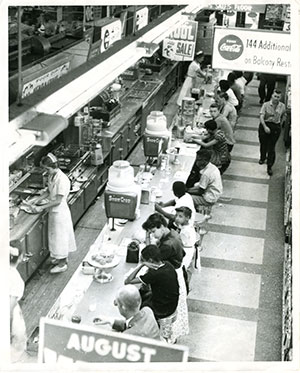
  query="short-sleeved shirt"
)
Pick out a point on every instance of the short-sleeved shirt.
point(224, 125)
point(58, 185)
point(232, 97)
point(187, 201)
point(272, 113)
point(211, 182)
point(241, 83)
point(220, 154)
point(229, 112)
point(193, 69)
point(171, 249)
point(165, 289)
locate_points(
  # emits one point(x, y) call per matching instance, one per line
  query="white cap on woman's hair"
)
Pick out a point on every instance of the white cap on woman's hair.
point(199, 53)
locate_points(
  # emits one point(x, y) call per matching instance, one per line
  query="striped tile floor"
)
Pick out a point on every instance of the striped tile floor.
point(228, 317)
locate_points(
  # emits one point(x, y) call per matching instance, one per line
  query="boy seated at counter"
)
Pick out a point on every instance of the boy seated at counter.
point(208, 189)
point(136, 321)
point(188, 236)
point(182, 198)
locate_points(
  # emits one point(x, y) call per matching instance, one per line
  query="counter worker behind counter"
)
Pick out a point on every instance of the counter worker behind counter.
point(193, 77)
point(61, 236)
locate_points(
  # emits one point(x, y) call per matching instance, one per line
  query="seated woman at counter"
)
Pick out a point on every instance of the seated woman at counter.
point(181, 199)
point(61, 236)
point(162, 278)
point(227, 109)
point(216, 142)
point(136, 321)
point(171, 250)
point(224, 86)
point(193, 77)
point(204, 182)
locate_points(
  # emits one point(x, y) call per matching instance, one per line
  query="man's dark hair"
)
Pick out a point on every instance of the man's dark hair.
point(187, 212)
point(224, 85)
point(210, 125)
point(155, 220)
point(179, 188)
point(231, 77)
point(278, 91)
point(151, 252)
point(238, 74)
point(214, 105)
point(204, 154)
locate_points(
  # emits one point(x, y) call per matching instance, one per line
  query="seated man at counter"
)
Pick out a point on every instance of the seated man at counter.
point(223, 124)
point(226, 109)
point(207, 191)
point(181, 199)
point(216, 142)
point(137, 321)
point(162, 278)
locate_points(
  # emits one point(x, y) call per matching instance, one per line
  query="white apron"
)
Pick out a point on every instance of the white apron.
point(61, 236)
point(192, 80)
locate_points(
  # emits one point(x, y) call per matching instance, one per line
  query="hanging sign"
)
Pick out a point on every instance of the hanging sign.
point(252, 50)
point(43, 78)
point(110, 33)
point(62, 342)
point(239, 7)
point(180, 44)
point(141, 18)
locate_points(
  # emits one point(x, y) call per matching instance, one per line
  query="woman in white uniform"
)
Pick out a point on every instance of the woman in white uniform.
point(61, 237)
point(193, 77)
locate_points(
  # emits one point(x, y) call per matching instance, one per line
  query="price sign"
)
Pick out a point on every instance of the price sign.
point(110, 33)
point(141, 18)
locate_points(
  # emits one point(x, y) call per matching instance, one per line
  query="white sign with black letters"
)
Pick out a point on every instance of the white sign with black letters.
point(252, 50)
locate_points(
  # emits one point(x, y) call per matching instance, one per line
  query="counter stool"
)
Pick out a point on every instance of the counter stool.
point(205, 210)
point(201, 230)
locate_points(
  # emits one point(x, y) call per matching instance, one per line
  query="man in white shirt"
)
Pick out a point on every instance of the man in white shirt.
point(181, 199)
point(207, 191)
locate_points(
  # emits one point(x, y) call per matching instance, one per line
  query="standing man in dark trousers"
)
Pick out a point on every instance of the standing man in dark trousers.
point(272, 116)
point(266, 81)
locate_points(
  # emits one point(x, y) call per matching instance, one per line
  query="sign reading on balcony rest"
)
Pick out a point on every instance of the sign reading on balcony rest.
point(180, 44)
point(62, 342)
point(252, 50)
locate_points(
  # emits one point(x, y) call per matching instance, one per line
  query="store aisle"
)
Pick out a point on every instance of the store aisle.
point(235, 300)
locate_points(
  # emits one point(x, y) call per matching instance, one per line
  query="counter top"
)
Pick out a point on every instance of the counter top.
point(87, 298)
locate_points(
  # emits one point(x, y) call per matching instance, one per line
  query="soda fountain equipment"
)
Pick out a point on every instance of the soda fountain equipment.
point(156, 138)
point(122, 195)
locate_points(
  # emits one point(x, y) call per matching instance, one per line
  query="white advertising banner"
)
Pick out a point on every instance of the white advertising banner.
point(180, 45)
point(252, 50)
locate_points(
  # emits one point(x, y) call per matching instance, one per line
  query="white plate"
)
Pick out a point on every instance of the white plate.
point(113, 263)
point(82, 179)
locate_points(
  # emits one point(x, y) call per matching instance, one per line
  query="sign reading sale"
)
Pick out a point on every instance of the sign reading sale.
point(62, 342)
point(252, 50)
point(180, 44)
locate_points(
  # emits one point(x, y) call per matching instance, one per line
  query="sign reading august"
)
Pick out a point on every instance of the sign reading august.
point(180, 45)
point(62, 342)
point(251, 50)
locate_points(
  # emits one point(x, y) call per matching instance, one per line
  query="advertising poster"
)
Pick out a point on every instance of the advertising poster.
point(251, 50)
point(180, 45)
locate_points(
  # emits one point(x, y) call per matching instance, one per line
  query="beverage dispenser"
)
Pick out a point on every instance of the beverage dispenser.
point(122, 195)
point(157, 137)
